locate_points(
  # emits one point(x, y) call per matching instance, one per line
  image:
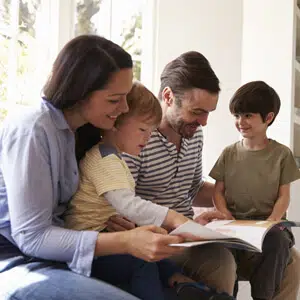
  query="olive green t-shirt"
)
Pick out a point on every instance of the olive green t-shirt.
point(252, 178)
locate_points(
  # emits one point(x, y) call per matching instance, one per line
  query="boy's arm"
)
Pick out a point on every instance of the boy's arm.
point(143, 212)
point(281, 204)
point(289, 173)
point(219, 199)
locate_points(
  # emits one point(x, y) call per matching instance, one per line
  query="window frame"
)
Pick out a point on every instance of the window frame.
point(60, 19)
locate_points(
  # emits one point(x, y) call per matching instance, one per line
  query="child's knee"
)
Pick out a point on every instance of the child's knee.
point(277, 239)
point(138, 263)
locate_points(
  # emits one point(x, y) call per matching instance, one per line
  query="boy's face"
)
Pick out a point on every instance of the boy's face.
point(133, 133)
point(251, 125)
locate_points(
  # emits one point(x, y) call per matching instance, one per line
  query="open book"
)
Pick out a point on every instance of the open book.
point(247, 235)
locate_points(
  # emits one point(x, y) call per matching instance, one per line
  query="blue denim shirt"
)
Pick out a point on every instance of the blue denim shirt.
point(38, 176)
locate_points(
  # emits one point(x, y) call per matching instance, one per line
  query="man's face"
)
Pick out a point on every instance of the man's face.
point(192, 112)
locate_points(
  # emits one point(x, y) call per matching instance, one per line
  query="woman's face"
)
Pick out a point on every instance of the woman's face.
point(104, 106)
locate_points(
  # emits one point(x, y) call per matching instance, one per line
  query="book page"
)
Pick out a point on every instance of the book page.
point(252, 231)
point(197, 230)
point(241, 245)
point(245, 233)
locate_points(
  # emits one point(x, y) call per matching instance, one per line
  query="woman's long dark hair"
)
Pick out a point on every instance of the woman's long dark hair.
point(87, 136)
point(84, 65)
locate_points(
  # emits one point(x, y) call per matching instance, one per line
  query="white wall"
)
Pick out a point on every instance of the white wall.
point(213, 28)
point(229, 33)
point(267, 54)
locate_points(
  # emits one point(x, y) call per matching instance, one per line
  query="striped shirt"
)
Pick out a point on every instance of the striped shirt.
point(168, 177)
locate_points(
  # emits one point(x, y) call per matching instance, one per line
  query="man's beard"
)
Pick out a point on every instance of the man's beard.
point(186, 130)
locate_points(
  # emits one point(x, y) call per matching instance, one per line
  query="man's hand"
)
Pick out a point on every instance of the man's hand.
point(209, 216)
point(228, 215)
point(119, 223)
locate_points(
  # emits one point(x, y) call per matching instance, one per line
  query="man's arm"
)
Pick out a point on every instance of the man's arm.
point(134, 164)
point(204, 195)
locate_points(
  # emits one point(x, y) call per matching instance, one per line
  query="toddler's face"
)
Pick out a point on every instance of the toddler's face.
point(133, 133)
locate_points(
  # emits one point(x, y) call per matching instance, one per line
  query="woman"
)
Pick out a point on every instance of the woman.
point(39, 259)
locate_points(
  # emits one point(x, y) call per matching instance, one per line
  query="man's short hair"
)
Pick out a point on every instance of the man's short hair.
point(255, 97)
point(189, 70)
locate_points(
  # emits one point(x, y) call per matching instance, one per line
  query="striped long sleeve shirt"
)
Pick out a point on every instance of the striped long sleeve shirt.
point(168, 177)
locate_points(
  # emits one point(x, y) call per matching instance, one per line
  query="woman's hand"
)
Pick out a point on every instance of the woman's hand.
point(151, 243)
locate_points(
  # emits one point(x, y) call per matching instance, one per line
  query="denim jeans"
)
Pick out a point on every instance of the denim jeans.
point(145, 280)
point(268, 267)
point(26, 278)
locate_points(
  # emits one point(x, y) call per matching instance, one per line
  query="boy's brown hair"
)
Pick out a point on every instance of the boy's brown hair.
point(255, 97)
point(142, 102)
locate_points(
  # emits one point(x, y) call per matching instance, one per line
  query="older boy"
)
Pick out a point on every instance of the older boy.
point(253, 179)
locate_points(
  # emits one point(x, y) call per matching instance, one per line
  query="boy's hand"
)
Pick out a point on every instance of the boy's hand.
point(274, 218)
point(119, 223)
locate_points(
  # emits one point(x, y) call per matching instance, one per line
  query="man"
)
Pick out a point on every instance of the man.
point(169, 169)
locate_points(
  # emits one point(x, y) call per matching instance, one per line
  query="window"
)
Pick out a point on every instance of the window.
point(118, 20)
point(33, 31)
point(21, 47)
